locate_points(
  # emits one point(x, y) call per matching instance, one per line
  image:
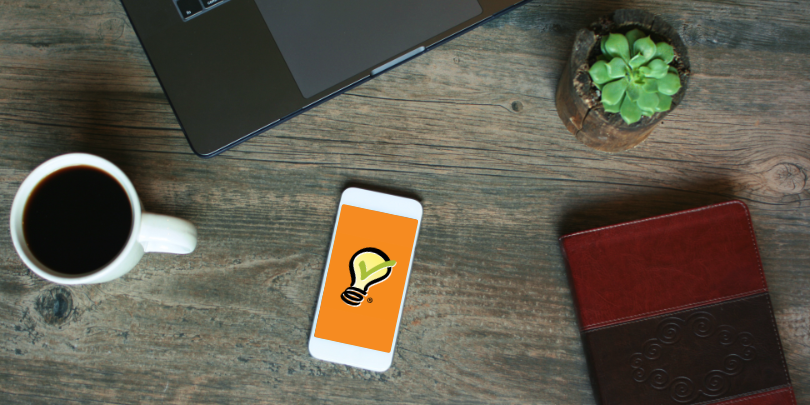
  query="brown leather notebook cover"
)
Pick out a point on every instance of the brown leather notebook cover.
point(675, 310)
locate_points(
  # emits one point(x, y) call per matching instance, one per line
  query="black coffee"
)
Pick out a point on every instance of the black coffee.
point(77, 220)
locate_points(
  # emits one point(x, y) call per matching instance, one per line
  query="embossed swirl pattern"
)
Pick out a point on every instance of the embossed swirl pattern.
point(700, 325)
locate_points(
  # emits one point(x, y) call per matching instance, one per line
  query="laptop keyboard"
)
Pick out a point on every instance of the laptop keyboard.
point(191, 8)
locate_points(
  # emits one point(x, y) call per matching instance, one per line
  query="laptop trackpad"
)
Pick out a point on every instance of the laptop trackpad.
point(325, 42)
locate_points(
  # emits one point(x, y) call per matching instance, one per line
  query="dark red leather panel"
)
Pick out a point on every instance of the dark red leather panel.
point(782, 396)
point(663, 264)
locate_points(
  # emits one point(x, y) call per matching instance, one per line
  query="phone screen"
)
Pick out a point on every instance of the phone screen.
point(366, 278)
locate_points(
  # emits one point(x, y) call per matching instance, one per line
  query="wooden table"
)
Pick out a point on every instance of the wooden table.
point(470, 129)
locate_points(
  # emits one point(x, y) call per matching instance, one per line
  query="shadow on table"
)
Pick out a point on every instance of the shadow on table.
point(631, 207)
point(383, 189)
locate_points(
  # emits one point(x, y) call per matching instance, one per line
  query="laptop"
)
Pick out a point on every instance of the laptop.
point(235, 68)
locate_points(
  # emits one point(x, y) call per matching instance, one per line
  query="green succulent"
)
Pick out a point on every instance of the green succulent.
point(634, 75)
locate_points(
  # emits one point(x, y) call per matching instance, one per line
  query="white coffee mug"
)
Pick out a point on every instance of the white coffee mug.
point(149, 233)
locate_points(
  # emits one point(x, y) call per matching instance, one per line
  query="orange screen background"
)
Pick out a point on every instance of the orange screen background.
point(370, 325)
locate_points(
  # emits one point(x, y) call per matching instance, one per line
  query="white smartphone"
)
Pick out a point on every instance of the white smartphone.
point(365, 280)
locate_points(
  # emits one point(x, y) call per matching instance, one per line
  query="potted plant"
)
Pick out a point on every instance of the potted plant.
point(626, 73)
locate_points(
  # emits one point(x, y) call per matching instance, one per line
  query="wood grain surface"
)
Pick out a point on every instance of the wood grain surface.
point(469, 128)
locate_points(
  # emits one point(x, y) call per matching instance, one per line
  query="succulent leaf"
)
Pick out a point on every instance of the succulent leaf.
point(613, 92)
point(599, 72)
point(617, 68)
point(633, 36)
point(665, 51)
point(616, 46)
point(647, 103)
point(630, 111)
point(656, 69)
point(636, 61)
point(634, 76)
point(664, 103)
point(669, 84)
point(633, 91)
point(650, 85)
point(646, 71)
point(613, 108)
point(644, 50)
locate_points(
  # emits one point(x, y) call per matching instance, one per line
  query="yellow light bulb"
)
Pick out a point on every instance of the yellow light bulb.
point(367, 267)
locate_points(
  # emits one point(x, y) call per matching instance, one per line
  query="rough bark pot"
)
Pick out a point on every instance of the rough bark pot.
point(579, 101)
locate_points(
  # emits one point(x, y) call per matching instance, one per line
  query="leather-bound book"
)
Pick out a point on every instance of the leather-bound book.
point(675, 310)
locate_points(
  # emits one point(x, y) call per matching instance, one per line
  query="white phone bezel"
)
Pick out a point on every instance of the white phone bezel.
point(350, 355)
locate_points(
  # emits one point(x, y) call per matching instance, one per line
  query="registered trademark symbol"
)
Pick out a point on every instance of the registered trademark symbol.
point(370, 300)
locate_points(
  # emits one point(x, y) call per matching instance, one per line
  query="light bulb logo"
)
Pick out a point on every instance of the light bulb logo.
point(368, 266)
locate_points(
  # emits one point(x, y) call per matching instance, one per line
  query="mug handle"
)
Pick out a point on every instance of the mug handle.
point(165, 234)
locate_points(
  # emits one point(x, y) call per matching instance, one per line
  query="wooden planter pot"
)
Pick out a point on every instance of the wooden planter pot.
point(578, 100)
